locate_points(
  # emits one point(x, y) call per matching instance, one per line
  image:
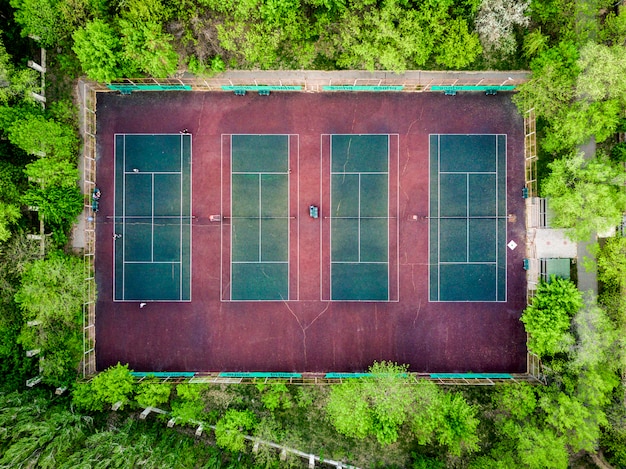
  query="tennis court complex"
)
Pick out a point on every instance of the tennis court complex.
point(467, 218)
point(152, 218)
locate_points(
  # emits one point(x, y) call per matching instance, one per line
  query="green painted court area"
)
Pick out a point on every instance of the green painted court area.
point(259, 217)
point(152, 218)
point(359, 217)
point(467, 218)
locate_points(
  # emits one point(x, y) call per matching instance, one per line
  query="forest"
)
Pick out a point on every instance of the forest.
point(577, 55)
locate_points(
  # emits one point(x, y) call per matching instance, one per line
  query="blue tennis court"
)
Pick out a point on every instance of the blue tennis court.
point(359, 217)
point(152, 217)
point(259, 217)
point(467, 218)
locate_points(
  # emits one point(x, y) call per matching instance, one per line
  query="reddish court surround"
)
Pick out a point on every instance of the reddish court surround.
point(309, 334)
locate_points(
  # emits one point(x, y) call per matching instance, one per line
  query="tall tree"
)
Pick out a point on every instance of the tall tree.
point(586, 195)
point(376, 405)
point(547, 318)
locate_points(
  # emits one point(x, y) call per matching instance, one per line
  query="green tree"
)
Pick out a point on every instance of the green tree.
point(547, 318)
point(496, 22)
point(52, 293)
point(230, 429)
point(148, 48)
point(612, 263)
point(15, 83)
point(603, 72)
point(444, 418)
point(115, 384)
point(275, 396)
point(9, 214)
point(586, 195)
point(151, 393)
point(99, 49)
point(376, 405)
point(552, 86)
point(49, 172)
point(52, 290)
point(188, 406)
point(458, 48)
point(40, 18)
point(37, 135)
point(60, 205)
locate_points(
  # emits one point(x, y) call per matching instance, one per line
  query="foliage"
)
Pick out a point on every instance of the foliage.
point(59, 205)
point(603, 72)
point(151, 393)
point(586, 195)
point(612, 262)
point(552, 86)
point(458, 48)
point(275, 396)
point(52, 290)
point(547, 318)
point(230, 429)
point(147, 48)
point(37, 135)
point(99, 49)
point(15, 83)
point(9, 214)
point(113, 385)
point(40, 18)
point(48, 172)
point(188, 406)
point(376, 405)
point(44, 432)
point(446, 419)
point(495, 24)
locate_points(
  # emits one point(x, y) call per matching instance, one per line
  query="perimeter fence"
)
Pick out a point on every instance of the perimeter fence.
point(305, 81)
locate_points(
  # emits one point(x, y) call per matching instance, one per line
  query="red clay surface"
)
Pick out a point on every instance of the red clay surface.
point(308, 334)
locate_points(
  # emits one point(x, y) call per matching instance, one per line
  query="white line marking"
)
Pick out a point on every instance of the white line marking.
point(467, 214)
point(260, 222)
point(124, 225)
point(358, 229)
point(152, 227)
point(230, 266)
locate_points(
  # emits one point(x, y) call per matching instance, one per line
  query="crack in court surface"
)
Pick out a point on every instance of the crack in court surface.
point(304, 328)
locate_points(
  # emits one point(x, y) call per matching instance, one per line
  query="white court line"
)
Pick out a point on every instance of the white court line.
point(231, 225)
point(358, 229)
point(361, 172)
point(152, 172)
point(506, 201)
point(114, 263)
point(260, 172)
point(330, 224)
point(180, 233)
point(297, 182)
point(260, 223)
point(470, 172)
point(152, 228)
point(321, 238)
point(124, 226)
point(467, 214)
point(360, 263)
point(260, 262)
point(470, 263)
point(151, 262)
point(221, 213)
point(438, 216)
point(397, 260)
